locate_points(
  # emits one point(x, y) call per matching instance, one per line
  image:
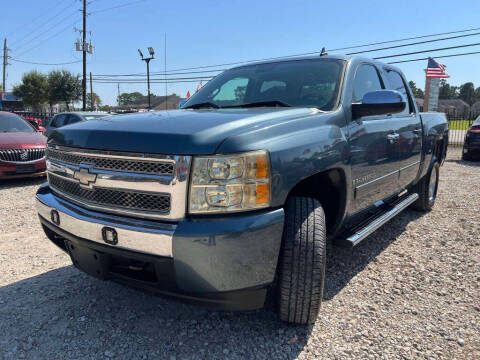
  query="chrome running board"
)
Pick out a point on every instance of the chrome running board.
point(363, 232)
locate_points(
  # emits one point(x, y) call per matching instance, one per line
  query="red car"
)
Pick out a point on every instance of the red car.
point(22, 148)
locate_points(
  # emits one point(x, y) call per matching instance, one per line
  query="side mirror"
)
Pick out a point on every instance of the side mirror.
point(181, 103)
point(41, 129)
point(379, 102)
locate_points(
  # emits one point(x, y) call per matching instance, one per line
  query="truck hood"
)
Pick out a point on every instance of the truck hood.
point(22, 140)
point(179, 132)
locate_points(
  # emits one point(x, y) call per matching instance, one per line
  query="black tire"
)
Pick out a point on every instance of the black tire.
point(427, 194)
point(466, 155)
point(302, 263)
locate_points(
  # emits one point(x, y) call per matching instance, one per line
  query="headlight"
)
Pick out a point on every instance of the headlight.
point(230, 183)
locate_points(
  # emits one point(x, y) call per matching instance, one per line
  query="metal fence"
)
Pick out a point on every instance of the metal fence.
point(459, 124)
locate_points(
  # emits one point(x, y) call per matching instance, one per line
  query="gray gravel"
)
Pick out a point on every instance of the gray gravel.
point(410, 291)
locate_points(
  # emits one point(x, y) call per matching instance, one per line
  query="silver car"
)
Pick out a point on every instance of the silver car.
point(67, 118)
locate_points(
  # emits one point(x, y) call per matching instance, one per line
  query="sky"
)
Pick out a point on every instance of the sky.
point(215, 32)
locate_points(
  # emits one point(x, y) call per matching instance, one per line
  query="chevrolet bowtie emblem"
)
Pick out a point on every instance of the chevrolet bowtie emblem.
point(85, 177)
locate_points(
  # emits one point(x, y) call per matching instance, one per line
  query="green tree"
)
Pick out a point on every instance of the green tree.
point(33, 89)
point(477, 94)
point(467, 93)
point(417, 92)
point(95, 97)
point(130, 98)
point(63, 86)
point(447, 91)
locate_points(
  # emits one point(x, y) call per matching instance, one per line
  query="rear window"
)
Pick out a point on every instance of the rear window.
point(93, 117)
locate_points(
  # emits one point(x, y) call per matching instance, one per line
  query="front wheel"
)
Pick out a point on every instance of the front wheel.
point(427, 189)
point(302, 262)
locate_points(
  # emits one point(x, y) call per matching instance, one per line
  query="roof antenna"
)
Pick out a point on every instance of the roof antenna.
point(323, 52)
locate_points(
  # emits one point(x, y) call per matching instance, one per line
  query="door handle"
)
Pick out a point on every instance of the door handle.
point(393, 137)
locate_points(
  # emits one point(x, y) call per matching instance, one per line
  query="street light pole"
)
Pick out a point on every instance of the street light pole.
point(147, 60)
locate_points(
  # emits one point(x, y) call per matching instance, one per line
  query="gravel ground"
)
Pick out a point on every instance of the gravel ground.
point(410, 291)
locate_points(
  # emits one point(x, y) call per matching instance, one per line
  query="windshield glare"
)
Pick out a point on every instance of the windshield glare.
point(300, 83)
point(13, 123)
point(93, 117)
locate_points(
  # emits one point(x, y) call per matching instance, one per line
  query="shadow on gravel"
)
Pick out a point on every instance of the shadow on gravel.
point(343, 264)
point(463, 162)
point(15, 183)
point(66, 314)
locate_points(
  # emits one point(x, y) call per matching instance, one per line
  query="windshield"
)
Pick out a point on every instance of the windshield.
point(13, 123)
point(300, 83)
point(93, 117)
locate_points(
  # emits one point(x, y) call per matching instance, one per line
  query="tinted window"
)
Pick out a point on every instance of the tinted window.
point(14, 123)
point(300, 83)
point(396, 83)
point(59, 120)
point(72, 119)
point(366, 80)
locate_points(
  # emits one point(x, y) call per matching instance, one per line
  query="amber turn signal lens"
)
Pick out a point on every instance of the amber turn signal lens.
point(262, 167)
point(263, 194)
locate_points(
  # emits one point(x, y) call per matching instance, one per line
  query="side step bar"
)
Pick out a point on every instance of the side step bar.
point(377, 222)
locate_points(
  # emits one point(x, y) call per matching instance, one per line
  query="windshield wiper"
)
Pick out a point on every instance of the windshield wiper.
point(260, 104)
point(203, 105)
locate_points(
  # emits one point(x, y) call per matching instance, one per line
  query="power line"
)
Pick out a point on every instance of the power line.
point(414, 43)
point(116, 7)
point(405, 39)
point(35, 31)
point(39, 63)
point(45, 40)
point(38, 18)
point(436, 57)
point(424, 51)
point(44, 32)
point(161, 73)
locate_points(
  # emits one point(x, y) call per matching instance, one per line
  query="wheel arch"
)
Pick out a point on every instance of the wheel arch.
point(329, 187)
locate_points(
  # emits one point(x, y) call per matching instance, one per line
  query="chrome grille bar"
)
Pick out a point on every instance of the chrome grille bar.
point(121, 183)
point(22, 155)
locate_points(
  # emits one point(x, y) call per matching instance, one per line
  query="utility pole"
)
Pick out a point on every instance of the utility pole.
point(147, 60)
point(5, 63)
point(118, 97)
point(84, 51)
point(165, 60)
point(91, 92)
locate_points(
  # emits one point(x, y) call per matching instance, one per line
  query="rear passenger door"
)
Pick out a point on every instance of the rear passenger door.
point(373, 160)
point(409, 144)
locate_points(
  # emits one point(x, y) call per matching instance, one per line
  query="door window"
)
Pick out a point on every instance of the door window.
point(396, 83)
point(72, 119)
point(366, 80)
point(59, 120)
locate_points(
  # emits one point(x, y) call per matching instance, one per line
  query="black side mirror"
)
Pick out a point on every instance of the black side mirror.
point(379, 102)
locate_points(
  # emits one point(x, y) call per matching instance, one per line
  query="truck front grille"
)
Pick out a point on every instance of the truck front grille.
point(135, 166)
point(132, 184)
point(116, 198)
point(22, 155)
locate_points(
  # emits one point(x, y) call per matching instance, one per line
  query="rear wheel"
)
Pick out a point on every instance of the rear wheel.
point(302, 262)
point(466, 154)
point(427, 189)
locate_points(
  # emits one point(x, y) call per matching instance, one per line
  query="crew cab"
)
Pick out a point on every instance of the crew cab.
point(237, 193)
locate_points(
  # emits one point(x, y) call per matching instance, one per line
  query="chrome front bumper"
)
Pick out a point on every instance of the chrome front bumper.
point(142, 236)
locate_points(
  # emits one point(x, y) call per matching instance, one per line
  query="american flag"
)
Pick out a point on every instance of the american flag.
point(436, 70)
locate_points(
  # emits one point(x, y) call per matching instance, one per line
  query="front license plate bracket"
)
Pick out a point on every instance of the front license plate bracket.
point(89, 261)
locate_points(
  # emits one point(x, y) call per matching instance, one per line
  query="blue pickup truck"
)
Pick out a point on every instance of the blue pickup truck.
point(236, 194)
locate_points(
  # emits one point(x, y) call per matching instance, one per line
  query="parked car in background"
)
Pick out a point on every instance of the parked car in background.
point(471, 145)
point(22, 148)
point(36, 122)
point(67, 118)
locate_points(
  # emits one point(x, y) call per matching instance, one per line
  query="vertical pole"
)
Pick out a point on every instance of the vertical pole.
point(84, 50)
point(91, 92)
point(148, 83)
point(165, 61)
point(118, 97)
point(426, 98)
point(4, 65)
